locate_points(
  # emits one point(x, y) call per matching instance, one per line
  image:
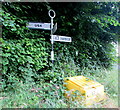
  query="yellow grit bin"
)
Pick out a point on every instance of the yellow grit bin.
point(91, 91)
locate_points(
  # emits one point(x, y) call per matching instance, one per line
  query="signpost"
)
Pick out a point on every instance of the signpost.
point(49, 26)
point(52, 52)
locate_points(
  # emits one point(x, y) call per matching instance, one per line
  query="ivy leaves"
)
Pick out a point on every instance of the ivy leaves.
point(20, 53)
point(12, 25)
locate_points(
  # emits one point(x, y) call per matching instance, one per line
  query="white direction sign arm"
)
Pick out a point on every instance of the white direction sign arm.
point(61, 38)
point(45, 26)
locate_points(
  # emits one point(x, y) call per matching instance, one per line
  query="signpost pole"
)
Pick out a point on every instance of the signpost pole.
point(52, 41)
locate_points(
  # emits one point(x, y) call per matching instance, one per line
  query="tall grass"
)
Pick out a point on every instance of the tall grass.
point(108, 78)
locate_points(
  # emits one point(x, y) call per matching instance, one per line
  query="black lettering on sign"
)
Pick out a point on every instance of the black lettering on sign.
point(66, 39)
point(61, 38)
point(56, 38)
point(38, 25)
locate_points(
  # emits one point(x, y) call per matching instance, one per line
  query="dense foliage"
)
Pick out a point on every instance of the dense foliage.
point(92, 26)
point(29, 78)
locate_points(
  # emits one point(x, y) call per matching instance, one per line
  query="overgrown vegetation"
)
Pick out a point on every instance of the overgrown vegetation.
point(50, 95)
point(27, 69)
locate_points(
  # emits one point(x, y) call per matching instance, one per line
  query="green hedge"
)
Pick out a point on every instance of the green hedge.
point(24, 57)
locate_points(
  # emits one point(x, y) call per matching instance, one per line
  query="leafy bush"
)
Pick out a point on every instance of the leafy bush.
point(24, 58)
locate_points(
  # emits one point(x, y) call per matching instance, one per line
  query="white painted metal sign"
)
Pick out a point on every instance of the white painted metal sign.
point(54, 28)
point(61, 38)
point(33, 25)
